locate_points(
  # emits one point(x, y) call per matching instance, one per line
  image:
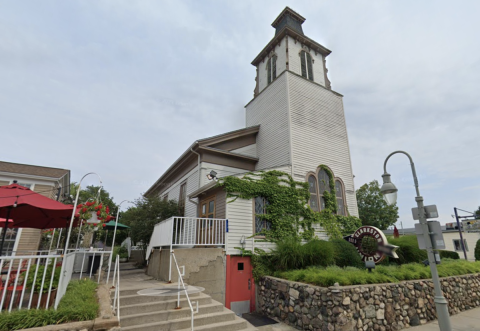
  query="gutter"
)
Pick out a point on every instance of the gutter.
point(198, 172)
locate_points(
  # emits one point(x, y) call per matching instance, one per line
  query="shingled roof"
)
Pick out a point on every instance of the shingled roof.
point(33, 170)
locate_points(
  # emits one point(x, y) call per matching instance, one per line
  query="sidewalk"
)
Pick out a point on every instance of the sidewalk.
point(465, 321)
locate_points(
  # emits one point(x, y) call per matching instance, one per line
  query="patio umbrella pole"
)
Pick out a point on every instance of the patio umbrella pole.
point(4, 233)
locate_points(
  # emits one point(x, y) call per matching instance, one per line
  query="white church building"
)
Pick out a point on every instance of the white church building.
point(294, 123)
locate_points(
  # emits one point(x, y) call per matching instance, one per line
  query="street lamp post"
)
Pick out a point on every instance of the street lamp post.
point(390, 194)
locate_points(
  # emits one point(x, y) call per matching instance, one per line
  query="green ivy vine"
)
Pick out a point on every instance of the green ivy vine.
point(287, 210)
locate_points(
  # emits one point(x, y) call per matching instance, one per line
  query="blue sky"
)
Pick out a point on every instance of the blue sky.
point(122, 88)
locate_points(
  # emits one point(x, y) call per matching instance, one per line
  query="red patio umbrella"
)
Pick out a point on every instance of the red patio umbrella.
point(2, 223)
point(29, 209)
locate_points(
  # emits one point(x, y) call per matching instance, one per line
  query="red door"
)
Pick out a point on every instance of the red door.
point(240, 291)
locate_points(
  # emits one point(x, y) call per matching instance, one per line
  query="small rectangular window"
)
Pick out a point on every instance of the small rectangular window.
point(240, 266)
point(458, 246)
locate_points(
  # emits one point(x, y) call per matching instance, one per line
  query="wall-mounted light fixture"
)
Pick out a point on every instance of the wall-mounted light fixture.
point(212, 175)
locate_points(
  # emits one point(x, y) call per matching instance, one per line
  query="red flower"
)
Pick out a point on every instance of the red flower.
point(80, 206)
point(109, 218)
point(98, 213)
point(104, 225)
point(108, 210)
point(94, 224)
point(84, 210)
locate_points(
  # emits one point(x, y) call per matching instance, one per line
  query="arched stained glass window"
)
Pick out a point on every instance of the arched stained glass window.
point(323, 185)
point(306, 62)
point(312, 187)
point(340, 197)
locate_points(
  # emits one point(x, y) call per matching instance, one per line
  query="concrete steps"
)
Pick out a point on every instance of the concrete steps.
point(225, 317)
point(158, 313)
point(157, 306)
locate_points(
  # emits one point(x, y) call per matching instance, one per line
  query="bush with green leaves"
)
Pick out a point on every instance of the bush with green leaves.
point(39, 279)
point(449, 255)
point(408, 251)
point(318, 253)
point(382, 274)
point(477, 251)
point(78, 304)
point(345, 254)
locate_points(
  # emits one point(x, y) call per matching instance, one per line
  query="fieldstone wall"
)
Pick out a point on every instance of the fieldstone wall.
point(384, 307)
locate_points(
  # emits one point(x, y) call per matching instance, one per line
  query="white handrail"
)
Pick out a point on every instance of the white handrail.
point(184, 288)
point(116, 284)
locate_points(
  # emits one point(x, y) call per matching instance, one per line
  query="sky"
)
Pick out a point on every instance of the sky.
point(123, 88)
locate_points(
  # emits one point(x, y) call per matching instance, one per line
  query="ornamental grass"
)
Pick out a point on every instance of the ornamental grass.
point(328, 276)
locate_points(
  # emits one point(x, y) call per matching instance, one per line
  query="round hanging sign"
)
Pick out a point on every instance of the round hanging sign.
point(372, 244)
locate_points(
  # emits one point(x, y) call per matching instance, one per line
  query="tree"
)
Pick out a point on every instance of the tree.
point(372, 209)
point(144, 215)
point(91, 192)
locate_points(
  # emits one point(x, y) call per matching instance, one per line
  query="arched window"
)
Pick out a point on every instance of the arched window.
point(340, 197)
point(312, 187)
point(306, 60)
point(323, 185)
point(272, 69)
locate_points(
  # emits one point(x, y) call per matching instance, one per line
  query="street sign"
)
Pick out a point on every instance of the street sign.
point(436, 235)
point(431, 212)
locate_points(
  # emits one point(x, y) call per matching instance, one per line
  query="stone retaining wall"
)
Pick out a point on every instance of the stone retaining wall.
point(382, 307)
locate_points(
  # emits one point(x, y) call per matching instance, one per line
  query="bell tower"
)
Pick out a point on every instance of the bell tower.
point(302, 121)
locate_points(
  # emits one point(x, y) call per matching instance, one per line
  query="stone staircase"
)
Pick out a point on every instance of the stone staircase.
point(158, 313)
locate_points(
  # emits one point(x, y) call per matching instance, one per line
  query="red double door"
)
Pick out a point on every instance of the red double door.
point(240, 289)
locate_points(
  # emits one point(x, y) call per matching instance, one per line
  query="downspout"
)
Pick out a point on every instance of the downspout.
point(198, 171)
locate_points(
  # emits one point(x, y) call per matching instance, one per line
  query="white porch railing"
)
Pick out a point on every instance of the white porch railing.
point(40, 281)
point(188, 231)
point(116, 284)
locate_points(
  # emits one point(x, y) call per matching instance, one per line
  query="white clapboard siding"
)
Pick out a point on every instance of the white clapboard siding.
point(280, 51)
point(240, 223)
point(173, 192)
point(222, 171)
point(269, 109)
point(250, 150)
point(294, 49)
point(319, 134)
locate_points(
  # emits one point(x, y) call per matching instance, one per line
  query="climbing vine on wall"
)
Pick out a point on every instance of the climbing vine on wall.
point(287, 210)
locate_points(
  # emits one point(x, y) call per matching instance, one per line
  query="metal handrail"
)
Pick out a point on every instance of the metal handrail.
point(180, 278)
point(116, 284)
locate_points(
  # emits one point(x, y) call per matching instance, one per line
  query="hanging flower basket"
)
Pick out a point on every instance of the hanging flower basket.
point(94, 212)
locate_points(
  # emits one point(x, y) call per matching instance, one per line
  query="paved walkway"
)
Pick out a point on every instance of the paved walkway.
point(465, 321)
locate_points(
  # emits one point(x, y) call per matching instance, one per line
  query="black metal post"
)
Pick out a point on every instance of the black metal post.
point(4, 233)
point(461, 236)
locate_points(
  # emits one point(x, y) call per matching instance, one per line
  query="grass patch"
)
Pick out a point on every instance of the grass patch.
point(78, 304)
point(382, 274)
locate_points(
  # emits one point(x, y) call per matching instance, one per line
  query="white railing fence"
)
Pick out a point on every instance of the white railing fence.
point(180, 281)
point(188, 231)
point(28, 281)
point(65, 276)
point(116, 284)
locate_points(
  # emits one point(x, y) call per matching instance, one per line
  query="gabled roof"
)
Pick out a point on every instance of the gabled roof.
point(212, 149)
point(33, 170)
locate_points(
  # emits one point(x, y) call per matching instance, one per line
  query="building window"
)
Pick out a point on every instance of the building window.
point(271, 69)
point(340, 197)
point(306, 60)
point(312, 187)
point(29, 186)
point(458, 245)
point(10, 238)
point(181, 199)
point(261, 224)
point(323, 185)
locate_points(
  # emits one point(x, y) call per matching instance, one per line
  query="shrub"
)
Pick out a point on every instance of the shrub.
point(318, 253)
point(78, 304)
point(382, 273)
point(449, 255)
point(38, 280)
point(345, 254)
point(288, 255)
point(408, 251)
point(477, 251)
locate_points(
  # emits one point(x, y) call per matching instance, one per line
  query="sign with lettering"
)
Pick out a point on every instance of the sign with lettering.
point(371, 244)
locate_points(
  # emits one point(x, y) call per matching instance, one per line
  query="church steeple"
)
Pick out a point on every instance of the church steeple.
point(290, 18)
point(291, 50)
